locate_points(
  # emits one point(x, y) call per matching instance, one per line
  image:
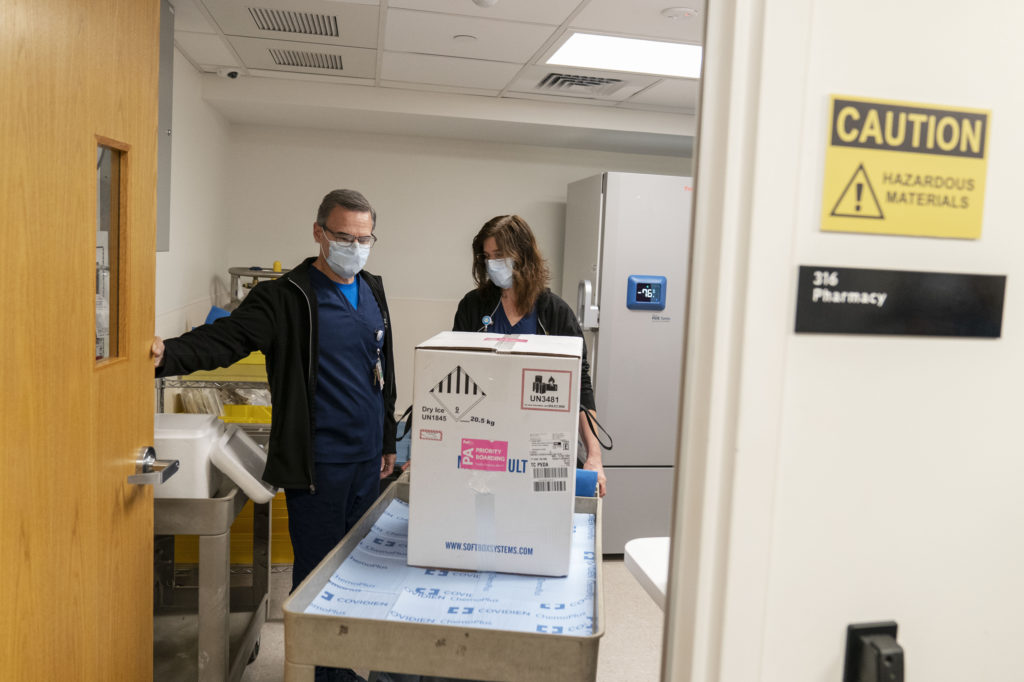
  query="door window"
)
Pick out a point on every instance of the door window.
point(109, 228)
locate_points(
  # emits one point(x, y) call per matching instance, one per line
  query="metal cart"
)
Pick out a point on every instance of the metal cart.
point(254, 275)
point(441, 650)
point(210, 631)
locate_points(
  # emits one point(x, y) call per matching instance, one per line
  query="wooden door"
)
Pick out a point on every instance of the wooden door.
point(75, 537)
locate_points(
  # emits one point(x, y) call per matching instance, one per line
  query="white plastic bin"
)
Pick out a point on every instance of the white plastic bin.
point(242, 460)
point(190, 439)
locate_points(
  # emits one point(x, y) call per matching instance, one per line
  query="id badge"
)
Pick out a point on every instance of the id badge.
point(378, 374)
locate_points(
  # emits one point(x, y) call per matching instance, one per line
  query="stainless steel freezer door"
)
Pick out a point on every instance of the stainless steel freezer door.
point(638, 505)
point(581, 259)
point(638, 355)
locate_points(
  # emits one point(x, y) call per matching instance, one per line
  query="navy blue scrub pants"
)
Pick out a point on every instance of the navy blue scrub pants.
point(318, 521)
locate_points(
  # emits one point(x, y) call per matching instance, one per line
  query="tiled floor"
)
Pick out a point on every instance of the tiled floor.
point(630, 650)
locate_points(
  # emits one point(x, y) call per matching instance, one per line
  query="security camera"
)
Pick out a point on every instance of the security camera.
point(229, 73)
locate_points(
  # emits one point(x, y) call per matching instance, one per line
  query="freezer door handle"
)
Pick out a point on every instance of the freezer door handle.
point(586, 311)
point(152, 471)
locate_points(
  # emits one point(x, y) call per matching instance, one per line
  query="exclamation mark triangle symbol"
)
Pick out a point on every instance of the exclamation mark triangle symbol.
point(858, 199)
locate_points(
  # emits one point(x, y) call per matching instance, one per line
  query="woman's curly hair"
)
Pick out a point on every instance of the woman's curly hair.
point(514, 240)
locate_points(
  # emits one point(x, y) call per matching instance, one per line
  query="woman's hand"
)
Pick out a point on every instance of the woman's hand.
point(593, 447)
point(593, 465)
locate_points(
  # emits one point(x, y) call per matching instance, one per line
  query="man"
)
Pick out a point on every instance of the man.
point(324, 328)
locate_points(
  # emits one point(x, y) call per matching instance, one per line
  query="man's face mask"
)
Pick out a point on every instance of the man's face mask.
point(499, 270)
point(346, 260)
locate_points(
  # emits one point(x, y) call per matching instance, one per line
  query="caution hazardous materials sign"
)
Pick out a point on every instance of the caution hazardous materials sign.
point(902, 168)
point(858, 199)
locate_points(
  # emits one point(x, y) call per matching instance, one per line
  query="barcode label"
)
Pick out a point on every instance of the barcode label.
point(551, 472)
point(549, 486)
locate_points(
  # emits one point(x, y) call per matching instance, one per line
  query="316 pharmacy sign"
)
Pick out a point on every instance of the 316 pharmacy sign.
point(904, 168)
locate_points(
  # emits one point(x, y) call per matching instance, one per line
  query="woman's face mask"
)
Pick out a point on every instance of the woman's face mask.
point(499, 270)
point(346, 260)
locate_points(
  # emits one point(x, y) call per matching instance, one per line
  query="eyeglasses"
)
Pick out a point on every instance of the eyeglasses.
point(349, 239)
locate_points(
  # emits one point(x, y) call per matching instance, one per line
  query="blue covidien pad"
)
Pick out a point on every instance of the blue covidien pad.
point(375, 582)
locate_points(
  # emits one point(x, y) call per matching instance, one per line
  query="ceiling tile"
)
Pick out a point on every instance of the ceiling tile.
point(560, 98)
point(563, 81)
point(643, 19)
point(433, 87)
point(203, 48)
point(550, 12)
point(314, 21)
point(433, 33)
point(188, 17)
point(463, 73)
point(328, 60)
point(671, 92)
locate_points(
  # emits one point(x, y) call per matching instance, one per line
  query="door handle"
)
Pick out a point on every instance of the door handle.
point(586, 311)
point(152, 471)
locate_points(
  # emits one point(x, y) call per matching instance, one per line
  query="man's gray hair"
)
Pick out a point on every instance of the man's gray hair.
point(348, 199)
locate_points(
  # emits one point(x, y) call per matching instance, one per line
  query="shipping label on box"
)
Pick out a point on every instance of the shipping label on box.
point(493, 448)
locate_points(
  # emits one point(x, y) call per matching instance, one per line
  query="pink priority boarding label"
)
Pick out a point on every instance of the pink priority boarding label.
point(483, 455)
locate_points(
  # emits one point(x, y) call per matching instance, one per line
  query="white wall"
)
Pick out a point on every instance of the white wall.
point(189, 273)
point(431, 197)
point(844, 479)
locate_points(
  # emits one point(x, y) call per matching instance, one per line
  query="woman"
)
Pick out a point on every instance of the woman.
point(511, 297)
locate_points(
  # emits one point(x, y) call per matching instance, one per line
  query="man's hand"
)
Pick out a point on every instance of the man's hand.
point(156, 351)
point(387, 465)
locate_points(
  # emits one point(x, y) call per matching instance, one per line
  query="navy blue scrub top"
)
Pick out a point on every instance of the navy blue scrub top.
point(349, 401)
point(527, 325)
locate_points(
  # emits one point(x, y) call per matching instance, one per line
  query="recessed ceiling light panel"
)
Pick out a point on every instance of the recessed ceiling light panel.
point(612, 53)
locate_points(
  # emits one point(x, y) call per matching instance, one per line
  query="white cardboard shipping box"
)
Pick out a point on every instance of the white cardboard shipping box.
point(493, 452)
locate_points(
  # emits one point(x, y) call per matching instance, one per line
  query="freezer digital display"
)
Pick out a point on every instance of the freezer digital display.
point(645, 292)
point(648, 292)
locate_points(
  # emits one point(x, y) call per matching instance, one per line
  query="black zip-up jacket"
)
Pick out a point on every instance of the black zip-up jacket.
point(279, 318)
point(554, 317)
